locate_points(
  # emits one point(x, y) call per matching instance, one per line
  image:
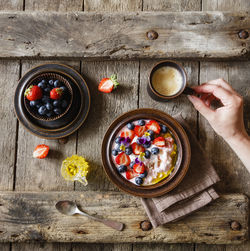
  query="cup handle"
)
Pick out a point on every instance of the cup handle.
point(189, 91)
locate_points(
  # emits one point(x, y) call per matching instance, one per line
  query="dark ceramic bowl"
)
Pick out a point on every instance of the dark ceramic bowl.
point(76, 114)
point(68, 95)
point(183, 148)
point(184, 88)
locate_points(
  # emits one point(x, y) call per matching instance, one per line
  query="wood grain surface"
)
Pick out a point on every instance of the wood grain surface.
point(123, 35)
point(209, 141)
point(33, 216)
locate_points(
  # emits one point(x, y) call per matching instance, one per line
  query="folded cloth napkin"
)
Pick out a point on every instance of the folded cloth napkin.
point(194, 192)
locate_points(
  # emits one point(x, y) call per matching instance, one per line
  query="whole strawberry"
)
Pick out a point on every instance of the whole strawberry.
point(33, 93)
point(56, 93)
point(108, 84)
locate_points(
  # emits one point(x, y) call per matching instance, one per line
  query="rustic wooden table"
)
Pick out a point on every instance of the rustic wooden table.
point(20, 172)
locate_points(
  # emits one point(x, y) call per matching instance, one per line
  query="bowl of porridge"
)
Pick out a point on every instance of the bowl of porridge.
point(145, 152)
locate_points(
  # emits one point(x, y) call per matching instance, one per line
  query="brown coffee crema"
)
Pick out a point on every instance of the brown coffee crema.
point(167, 81)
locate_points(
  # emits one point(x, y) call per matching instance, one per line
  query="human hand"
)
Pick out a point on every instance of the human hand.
point(226, 120)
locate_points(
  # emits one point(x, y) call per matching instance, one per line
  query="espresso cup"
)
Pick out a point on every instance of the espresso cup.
point(159, 91)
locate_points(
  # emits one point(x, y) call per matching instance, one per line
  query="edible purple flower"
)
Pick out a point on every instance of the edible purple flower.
point(140, 159)
point(124, 143)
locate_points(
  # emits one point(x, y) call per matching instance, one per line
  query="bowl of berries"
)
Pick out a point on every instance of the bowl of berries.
point(146, 153)
point(52, 100)
point(48, 96)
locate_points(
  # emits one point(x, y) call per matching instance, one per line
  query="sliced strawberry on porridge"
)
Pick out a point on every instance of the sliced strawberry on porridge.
point(137, 149)
point(160, 142)
point(127, 133)
point(139, 168)
point(122, 159)
point(130, 174)
point(154, 126)
point(140, 130)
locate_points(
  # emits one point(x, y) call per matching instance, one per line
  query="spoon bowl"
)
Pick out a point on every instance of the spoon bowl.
point(66, 207)
point(70, 208)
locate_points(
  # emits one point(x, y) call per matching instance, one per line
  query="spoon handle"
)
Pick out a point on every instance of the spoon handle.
point(114, 224)
point(110, 223)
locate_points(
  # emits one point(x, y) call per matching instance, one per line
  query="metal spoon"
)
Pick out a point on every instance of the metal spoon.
point(70, 208)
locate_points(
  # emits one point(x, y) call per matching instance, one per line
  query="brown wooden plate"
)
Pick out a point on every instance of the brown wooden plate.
point(74, 118)
point(167, 184)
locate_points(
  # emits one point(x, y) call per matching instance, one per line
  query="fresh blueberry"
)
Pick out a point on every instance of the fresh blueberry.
point(164, 129)
point(49, 106)
point(118, 140)
point(56, 103)
point(33, 103)
point(147, 154)
point(42, 85)
point(143, 175)
point(46, 99)
point(155, 150)
point(117, 148)
point(43, 81)
point(64, 88)
point(122, 169)
point(49, 114)
point(64, 104)
point(130, 126)
point(128, 150)
point(114, 152)
point(138, 181)
point(57, 111)
point(47, 89)
point(38, 104)
point(42, 110)
point(151, 134)
point(57, 83)
point(132, 164)
point(147, 144)
point(51, 82)
point(141, 122)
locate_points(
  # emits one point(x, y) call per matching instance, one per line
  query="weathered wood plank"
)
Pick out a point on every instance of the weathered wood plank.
point(9, 77)
point(55, 5)
point(11, 5)
point(32, 216)
point(112, 5)
point(34, 174)
point(41, 246)
point(171, 5)
point(104, 109)
point(102, 247)
point(234, 176)
point(117, 35)
point(163, 247)
point(226, 5)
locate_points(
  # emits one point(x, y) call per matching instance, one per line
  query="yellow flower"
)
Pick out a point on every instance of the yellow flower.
point(75, 168)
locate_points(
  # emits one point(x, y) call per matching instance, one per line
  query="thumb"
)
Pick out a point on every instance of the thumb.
point(201, 107)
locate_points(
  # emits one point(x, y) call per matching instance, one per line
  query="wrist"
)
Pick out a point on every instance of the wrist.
point(238, 138)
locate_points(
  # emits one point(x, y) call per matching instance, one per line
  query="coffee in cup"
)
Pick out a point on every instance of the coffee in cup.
point(167, 80)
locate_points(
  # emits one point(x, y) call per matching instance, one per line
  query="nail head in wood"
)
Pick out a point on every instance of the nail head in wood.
point(243, 34)
point(235, 225)
point(152, 35)
point(63, 141)
point(145, 225)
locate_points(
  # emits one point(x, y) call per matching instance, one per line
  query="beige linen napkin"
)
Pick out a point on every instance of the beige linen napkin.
point(194, 192)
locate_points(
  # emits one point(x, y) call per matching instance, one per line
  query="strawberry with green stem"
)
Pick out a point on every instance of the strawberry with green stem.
point(107, 85)
point(33, 93)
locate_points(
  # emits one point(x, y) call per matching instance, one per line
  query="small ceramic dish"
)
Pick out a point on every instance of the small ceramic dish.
point(68, 95)
point(66, 124)
point(181, 166)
